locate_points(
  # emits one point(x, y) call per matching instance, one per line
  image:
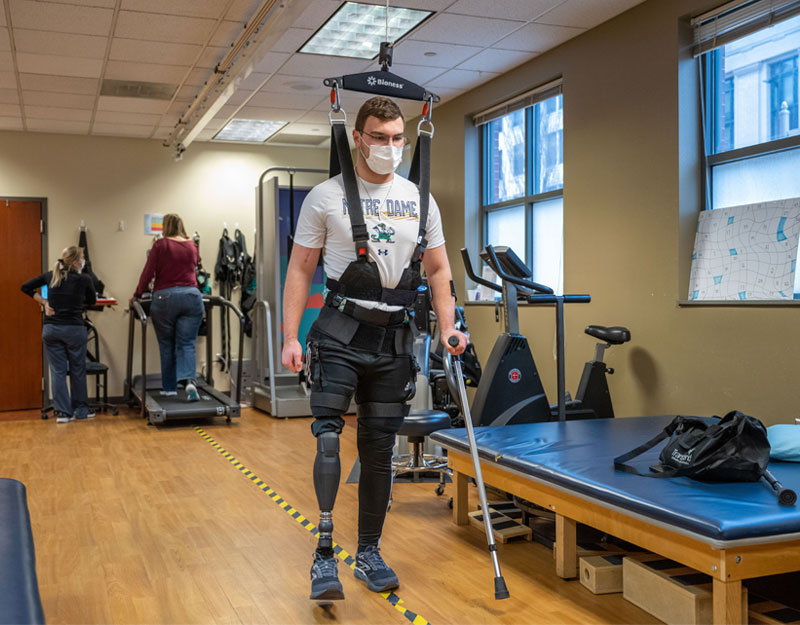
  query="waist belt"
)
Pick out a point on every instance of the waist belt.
point(372, 316)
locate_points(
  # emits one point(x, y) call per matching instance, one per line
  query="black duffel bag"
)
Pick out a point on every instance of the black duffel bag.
point(734, 449)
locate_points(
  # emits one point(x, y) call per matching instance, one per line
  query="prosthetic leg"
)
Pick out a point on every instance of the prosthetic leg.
point(325, 585)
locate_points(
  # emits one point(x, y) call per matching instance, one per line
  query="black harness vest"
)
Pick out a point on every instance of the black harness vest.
point(361, 279)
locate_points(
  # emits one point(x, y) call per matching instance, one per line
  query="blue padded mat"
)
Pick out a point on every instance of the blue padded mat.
point(579, 456)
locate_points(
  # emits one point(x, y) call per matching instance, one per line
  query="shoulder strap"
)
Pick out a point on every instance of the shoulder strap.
point(420, 175)
point(341, 162)
point(619, 461)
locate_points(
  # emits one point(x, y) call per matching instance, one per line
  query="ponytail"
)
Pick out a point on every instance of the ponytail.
point(61, 267)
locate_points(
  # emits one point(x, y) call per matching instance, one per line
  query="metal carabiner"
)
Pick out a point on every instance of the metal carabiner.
point(336, 106)
point(427, 112)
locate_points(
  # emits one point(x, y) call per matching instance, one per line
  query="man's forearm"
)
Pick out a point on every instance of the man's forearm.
point(295, 297)
point(442, 299)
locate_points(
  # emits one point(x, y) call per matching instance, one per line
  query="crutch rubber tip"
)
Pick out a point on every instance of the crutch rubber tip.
point(500, 590)
point(453, 341)
point(787, 497)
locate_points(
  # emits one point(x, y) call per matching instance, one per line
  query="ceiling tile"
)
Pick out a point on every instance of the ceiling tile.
point(57, 112)
point(8, 96)
point(316, 117)
point(132, 105)
point(62, 44)
point(285, 83)
point(59, 126)
point(2, 18)
point(145, 72)
point(8, 80)
point(449, 28)
point(10, 110)
point(239, 97)
point(524, 10)
point(447, 55)
point(63, 18)
point(197, 77)
point(292, 40)
point(186, 93)
point(537, 37)
point(225, 111)
point(460, 79)
point(59, 84)
point(492, 60)
point(253, 81)
point(115, 117)
point(586, 13)
point(177, 108)
point(296, 101)
point(302, 128)
point(162, 132)
point(317, 14)
point(59, 65)
point(241, 8)
point(66, 100)
point(190, 8)
point(153, 52)
point(6, 62)
point(107, 4)
point(318, 66)
point(419, 74)
point(227, 32)
point(271, 62)
point(10, 123)
point(117, 130)
point(154, 27)
point(268, 113)
point(211, 57)
point(5, 44)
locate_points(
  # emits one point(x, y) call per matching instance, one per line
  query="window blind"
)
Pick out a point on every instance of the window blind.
point(736, 19)
point(521, 101)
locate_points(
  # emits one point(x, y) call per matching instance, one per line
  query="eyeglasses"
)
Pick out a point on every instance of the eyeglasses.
point(398, 140)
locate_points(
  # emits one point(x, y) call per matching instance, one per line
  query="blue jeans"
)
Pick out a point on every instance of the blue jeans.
point(177, 313)
point(66, 352)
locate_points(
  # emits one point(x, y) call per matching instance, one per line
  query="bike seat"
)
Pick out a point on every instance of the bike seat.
point(616, 335)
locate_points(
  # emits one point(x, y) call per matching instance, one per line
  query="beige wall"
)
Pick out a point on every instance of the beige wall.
point(104, 180)
point(631, 196)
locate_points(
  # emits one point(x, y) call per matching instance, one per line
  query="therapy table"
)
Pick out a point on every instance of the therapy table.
point(730, 531)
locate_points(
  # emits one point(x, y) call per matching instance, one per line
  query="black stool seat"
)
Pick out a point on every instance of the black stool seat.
point(95, 367)
point(421, 423)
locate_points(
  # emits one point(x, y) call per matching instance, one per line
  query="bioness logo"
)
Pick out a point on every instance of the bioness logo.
point(372, 81)
point(681, 458)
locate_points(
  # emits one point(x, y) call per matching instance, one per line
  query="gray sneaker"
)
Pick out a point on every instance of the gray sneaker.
point(191, 392)
point(325, 584)
point(371, 568)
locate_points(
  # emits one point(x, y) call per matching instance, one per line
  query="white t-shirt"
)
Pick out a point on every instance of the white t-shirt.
point(391, 212)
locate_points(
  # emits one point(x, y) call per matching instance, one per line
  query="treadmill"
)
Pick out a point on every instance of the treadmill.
point(144, 390)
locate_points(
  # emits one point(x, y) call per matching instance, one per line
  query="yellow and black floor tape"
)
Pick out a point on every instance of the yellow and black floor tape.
point(349, 560)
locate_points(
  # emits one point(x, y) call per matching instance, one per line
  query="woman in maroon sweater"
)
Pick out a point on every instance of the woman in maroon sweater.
point(177, 308)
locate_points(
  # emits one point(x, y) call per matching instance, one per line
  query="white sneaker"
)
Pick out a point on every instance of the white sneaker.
point(89, 415)
point(168, 393)
point(191, 392)
point(64, 418)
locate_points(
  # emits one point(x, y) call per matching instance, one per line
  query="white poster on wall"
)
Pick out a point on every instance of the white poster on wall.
point(746, 252)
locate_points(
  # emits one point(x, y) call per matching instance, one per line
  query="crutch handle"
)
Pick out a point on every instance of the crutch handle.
point(453, 341)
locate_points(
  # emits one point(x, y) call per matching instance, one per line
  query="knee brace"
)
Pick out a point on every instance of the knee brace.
point(327, 471)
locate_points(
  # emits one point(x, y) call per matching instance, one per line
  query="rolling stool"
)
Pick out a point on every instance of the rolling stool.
point(416, 426)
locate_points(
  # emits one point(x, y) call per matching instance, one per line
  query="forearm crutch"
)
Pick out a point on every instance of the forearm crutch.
point(500, 589)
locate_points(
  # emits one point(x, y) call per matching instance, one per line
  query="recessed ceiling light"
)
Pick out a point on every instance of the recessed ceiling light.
point(429, 53)
point(357, 30)
point(250, 130)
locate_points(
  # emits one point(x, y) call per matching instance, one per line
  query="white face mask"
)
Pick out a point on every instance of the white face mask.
point(383, 159)
point(82, 265)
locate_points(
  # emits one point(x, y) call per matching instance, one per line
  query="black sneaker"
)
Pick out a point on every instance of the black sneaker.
point(325, 584)
point(371, 568)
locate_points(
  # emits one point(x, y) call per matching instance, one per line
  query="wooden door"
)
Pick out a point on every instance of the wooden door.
point(20, 317)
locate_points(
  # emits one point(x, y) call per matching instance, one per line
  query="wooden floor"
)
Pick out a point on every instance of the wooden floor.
point(138, 524)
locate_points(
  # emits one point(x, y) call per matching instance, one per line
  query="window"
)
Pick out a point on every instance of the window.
point(522, 179)
point(749, 66)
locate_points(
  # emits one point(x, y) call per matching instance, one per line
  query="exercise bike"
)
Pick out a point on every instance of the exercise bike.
point(510, 390)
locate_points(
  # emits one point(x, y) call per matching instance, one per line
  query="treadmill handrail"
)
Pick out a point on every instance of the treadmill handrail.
point(475, 277)
point(270, 351)
point(494, 263)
